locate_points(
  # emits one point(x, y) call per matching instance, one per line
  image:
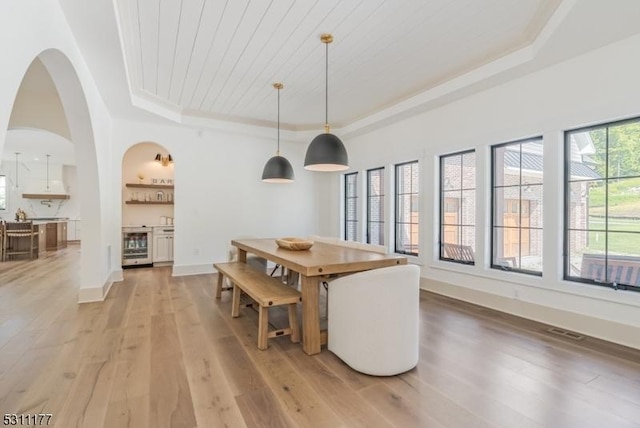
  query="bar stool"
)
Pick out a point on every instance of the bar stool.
point(2, 240)
point(13, 236)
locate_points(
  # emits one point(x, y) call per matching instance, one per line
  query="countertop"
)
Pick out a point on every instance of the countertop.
point(149, 226)
point(42, 220)
point(46, 220)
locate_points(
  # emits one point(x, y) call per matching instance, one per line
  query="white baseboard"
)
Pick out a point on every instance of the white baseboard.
point(610, 331)
point(185, 270)
point(98, 294)
point(116, 276)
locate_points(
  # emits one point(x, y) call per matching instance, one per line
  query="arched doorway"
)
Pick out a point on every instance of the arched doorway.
point(78, 129)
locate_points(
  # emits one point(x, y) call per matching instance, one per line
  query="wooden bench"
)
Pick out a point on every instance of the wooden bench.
point(464, 253)
point(267, 292)
point(621, 270)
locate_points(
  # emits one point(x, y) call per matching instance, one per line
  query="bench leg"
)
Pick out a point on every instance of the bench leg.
point(292, 278)
point(293, 323)
point(263, 327)
point(235, 301)
point(219, 287)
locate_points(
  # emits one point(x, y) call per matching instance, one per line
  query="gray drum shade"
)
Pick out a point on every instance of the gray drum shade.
point(278, 169)
point(326, 153)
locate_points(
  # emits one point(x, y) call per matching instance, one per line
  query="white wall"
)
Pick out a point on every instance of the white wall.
point(218, 192)
point(593, 88)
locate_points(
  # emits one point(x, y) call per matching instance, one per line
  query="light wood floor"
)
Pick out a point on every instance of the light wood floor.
point(161, 351)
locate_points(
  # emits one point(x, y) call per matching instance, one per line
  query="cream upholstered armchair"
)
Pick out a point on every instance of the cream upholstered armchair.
point(373, 322)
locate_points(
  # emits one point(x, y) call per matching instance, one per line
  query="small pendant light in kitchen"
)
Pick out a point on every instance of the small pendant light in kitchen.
point(48, 189)
point(326, 152)
point(278, 169)
point(16, 184)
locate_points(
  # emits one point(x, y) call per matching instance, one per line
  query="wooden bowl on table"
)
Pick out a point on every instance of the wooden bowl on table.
point(294, 243)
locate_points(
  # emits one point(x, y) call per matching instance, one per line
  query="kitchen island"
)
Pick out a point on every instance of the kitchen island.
point(56, 231)
point(48, 234)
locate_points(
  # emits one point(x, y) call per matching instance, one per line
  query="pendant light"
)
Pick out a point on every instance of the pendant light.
point(326, 152)
point(48, 189)
point(278, 169)
point(16, 185)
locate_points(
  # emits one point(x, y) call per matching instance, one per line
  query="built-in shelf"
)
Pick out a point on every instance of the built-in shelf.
point(150, 186)
point(149, 202)
point(45, 196)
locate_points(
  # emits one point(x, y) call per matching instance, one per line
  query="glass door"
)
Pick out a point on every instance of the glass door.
point(135, 246)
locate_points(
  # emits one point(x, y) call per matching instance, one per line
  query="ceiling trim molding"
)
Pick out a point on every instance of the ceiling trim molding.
point(495, 72)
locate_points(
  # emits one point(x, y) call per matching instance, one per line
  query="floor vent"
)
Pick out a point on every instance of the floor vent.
point(569, 334)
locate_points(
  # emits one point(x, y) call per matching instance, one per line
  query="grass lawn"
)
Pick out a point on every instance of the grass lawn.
point(619, 243)
point(624, 198)
point(624, 201)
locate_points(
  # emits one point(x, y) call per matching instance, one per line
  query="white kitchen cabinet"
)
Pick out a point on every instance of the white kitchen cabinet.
point(71, 231)
point(162, 244)
point(78, 230)
point(74, 230)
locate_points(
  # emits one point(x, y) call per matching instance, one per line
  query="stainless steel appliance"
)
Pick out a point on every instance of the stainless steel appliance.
point(137, 246)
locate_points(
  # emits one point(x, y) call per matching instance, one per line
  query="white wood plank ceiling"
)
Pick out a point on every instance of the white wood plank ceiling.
point(218, 58)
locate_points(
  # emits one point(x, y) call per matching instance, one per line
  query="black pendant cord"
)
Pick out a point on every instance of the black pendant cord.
point(278, 152)
point(47, 172)
point(326, 87)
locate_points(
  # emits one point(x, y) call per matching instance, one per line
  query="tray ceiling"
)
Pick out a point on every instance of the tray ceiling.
point(218, 59)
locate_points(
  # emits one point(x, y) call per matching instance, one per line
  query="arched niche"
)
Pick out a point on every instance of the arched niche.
point(147, 185)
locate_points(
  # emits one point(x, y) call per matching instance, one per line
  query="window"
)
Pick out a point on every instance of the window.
point(458, 207)
point(3, 192)
point(517, 206)
point(351, 206)
point(407, 208)
point(375, 206)
point(602, 209)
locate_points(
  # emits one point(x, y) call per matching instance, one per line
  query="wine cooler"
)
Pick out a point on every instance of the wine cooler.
point(136, 246)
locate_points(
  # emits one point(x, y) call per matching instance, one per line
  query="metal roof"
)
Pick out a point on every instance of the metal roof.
point(533, 162)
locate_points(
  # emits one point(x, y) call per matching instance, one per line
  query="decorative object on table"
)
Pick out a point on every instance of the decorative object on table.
point(164, 160)
point(326, 152)
point(278, 169)
point(295, 244)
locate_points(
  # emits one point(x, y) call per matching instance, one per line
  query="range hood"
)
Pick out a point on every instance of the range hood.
point(54, 189)
point(45, 196)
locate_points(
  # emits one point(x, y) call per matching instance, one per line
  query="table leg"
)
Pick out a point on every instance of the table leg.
point(242, 255)
point(310, 314)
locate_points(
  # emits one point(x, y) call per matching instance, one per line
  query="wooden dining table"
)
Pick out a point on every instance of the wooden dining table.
point(313, 265)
